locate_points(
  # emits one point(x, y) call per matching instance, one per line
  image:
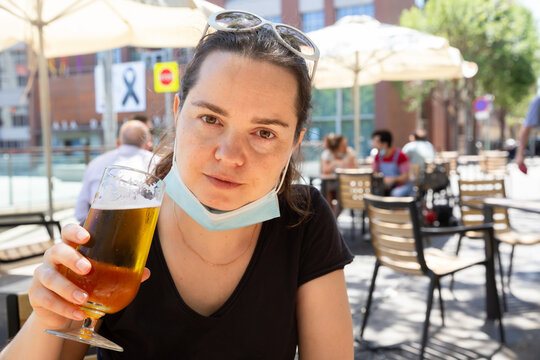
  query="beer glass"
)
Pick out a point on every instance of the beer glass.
point(121, 223)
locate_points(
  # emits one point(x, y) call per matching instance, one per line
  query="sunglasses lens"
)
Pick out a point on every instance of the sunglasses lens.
point(296, 39)
point(237, 20)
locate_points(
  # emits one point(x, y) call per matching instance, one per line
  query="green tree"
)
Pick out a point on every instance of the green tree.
point(500, 36)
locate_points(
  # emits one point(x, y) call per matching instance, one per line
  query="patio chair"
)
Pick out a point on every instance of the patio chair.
point(450, 157)
point(26, 251)
point(398, 242)
point(353, 184)
point(471, 196)
point(494, 162)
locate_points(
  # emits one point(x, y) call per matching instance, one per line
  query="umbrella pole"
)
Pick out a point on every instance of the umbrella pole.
point(44, 104)
point(356, 102)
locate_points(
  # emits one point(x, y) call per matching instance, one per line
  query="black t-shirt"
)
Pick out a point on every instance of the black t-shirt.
point(258, 321)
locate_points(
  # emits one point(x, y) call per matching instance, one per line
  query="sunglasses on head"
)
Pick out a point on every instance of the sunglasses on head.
point(290, 37)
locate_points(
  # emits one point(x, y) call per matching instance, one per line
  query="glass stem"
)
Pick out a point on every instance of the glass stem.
point(89, 324)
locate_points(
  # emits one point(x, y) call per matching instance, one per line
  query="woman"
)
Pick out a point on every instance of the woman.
point(254, 283)
point(336, 155)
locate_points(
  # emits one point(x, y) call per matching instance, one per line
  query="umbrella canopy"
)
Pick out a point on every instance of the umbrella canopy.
point(70, 27)
point(75, 27)
point(359, 50)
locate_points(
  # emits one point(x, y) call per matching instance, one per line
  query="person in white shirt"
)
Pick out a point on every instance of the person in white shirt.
point(133, 140)
point(419, 149)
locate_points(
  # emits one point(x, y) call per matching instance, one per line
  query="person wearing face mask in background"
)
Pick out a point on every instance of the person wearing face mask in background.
point(244, 264)
point(392, 163)
point(336, 155)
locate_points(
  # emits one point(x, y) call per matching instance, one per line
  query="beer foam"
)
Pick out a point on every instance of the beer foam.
point(121, 205)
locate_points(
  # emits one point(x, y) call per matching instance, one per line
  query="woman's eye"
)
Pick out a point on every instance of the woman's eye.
point(209, 119)
point(265, 134)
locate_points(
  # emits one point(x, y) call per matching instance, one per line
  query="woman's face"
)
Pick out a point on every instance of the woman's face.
point(235, 131)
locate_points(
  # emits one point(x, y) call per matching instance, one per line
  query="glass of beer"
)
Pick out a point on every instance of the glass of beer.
point(121, 223)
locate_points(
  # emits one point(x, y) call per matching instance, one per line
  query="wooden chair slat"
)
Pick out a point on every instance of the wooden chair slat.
point(398, 216)
point(394, 242)
point(397, 255)
point(407, 268)
point(387, 228)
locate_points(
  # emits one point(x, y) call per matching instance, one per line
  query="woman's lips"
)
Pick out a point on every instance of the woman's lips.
point(222, 183)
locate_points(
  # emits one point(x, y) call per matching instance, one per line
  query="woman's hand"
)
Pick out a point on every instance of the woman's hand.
point(53, 297)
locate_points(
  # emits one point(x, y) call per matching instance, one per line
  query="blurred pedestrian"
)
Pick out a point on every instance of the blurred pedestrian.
point(144, 119)
point(531, 120)
point(419, 149)
point(336, 155)
point(131, 151)
point(393, 164)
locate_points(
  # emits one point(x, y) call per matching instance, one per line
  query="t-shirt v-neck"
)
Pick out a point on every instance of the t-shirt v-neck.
point(237, 290)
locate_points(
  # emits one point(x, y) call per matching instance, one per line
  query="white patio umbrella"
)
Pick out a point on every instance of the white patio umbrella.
point(359, 50)
point(71, 27)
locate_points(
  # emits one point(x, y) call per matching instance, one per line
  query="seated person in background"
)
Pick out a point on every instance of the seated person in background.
point(336, 155)
point(419, 149)
point(393, 164)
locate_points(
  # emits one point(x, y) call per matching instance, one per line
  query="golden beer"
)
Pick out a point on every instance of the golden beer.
point(118, 247)
point(121, 225)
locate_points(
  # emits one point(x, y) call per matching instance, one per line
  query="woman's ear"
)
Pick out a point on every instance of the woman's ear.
point(175, 109)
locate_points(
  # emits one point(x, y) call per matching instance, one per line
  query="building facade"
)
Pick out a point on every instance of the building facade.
point(75, 122)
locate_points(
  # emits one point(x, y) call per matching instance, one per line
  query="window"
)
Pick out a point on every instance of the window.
point(19, 58)
point(366, 9)
point(329, 115)
point(20, 120)
point(312, 20)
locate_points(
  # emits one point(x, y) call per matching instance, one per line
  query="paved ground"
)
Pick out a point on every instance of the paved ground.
point(399, 303)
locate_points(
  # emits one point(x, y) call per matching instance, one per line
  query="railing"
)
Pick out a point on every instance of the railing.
point(23, 182)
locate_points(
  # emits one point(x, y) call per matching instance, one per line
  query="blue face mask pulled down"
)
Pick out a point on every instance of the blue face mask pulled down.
point(262, 209)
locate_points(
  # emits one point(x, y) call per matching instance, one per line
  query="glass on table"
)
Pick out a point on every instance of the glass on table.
point(121, 224)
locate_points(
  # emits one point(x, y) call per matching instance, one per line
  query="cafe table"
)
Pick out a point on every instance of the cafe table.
point(489, 204)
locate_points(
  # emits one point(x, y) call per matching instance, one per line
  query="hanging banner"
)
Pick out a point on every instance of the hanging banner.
point(128, 87)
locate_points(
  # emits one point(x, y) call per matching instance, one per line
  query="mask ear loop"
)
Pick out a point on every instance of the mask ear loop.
point(284, 173)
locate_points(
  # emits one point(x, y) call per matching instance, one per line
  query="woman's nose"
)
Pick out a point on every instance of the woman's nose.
point(230, 150)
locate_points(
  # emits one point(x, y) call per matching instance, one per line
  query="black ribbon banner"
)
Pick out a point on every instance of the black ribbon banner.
point(130, 77)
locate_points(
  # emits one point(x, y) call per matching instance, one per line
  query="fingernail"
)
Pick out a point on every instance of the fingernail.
point(82, 234)
point(80, 296)
point(79, 315)
point(83, 265)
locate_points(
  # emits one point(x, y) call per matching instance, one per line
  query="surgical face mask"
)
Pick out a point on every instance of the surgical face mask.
point(262, 209)
point(382, 152)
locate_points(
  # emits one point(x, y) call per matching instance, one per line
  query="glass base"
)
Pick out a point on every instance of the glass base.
point(87, 337)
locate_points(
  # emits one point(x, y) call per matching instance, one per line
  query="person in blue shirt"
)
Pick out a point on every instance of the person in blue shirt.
point(532, 120)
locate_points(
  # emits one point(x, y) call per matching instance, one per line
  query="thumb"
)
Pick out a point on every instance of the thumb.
point(145, 274)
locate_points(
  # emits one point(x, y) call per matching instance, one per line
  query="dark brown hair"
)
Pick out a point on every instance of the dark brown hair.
point(332, 141)
point(385, 136)
point(259, 45)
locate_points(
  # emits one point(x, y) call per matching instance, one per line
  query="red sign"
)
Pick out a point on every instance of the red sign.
point(166, 76)
point(480, 104)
